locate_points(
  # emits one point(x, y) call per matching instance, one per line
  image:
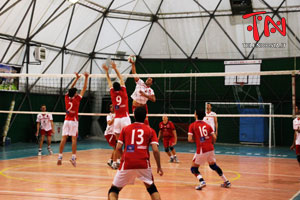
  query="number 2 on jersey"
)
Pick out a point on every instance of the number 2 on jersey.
point(140, 136)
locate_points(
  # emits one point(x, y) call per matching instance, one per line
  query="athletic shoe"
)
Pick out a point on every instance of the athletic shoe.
point(176, 159)
point(59, 161)
point(73, 161)
point(114, 166)
point(39, 153)
point(109, 163)
point(171, 159)
point(226, 184)
point(50, 151)
point(201, 185)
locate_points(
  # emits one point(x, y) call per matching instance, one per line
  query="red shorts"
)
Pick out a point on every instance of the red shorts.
point(168, 141)
point(145, 106)
point(298, 149)
point(48, 133)
point(111, 139)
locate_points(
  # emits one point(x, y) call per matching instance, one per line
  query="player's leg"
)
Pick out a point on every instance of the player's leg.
point(61, 148)
point(113, 193)
point(195, 171)
point(49, 142)
point(41, 143)
point(298, 153)
point(152, 190)
point(74, 148)
point(167, 148)
point(213, 165)
point(171, 146)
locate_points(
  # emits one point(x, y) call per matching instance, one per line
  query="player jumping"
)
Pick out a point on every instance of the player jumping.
point(296, 141)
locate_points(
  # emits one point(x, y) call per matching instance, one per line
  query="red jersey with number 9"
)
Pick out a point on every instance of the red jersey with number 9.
point(202, 136)
point(137, 138)
point(72, 107)
point(120, 102)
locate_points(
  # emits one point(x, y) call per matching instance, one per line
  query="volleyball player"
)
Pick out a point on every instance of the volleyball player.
point(45, 122)
point(135, 162)
point(296, 141)
point(119, 98)
point(109, 133)
point(70, 128)
point(211, 118)
point(167, 131)
point(203, 135)
point(142, 93)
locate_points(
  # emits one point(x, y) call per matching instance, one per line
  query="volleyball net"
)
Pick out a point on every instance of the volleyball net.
point(177, 94)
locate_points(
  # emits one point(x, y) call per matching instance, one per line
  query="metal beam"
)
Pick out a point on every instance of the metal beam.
point(11, 6)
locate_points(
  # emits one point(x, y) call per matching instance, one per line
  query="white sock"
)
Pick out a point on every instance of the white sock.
point(171, 157)
point(224, 178)
point(199, 177)
point(60, 156)
point(118, 160)
point(73, 156)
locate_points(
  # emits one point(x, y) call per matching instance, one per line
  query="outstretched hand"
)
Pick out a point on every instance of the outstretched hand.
point(105, 67)
point(77, 75)
point(113, 65)
point(86, 74)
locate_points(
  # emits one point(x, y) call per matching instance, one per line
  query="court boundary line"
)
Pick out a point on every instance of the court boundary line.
point(295, 195)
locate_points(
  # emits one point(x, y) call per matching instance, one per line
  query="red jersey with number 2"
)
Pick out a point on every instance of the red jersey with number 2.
point(72, 107)
point(120, 102)
point(137, 138)
point(202, 136)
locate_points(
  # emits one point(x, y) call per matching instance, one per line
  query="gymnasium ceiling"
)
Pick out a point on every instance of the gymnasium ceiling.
point(155, 29)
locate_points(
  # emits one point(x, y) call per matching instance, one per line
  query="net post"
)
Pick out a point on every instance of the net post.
point(270, 126)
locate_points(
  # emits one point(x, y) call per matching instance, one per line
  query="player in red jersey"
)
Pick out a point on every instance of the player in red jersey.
point(119, 98)
point(70, 128)
point(203, 135)
point(167, 131)
point(142, 93)
point(135, 162)
point(296, 141)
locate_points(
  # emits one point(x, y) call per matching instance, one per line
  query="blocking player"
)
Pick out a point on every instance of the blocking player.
point(211, 118)
point(119, 98)
point(109, 133)
point(45, 122)
point(142, 93)
point(70, 128)
point(296, 141)
point(202, 134)
point(167, 131)
point(135, 162)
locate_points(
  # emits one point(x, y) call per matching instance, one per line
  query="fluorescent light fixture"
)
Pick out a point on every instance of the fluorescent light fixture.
point(73, 1)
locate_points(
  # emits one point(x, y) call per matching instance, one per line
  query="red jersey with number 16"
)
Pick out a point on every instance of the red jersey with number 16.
point(202, 136)
point(120, 102)
point(72, 107)
point(136, 138)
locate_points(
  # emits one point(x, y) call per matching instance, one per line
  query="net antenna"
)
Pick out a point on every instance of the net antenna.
point(252, 130)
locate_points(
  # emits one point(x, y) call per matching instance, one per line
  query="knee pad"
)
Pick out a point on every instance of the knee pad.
point(171, 148)
point(216, 168)
point(152, 189)
point(298, 158)
point(195, 170)
point(167, 149)
point(114, 189)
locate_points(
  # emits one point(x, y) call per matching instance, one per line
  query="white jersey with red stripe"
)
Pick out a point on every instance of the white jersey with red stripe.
point(210, 119)
point(296, 127)
point(109, 128)
point(45, 121)
point(141, 86)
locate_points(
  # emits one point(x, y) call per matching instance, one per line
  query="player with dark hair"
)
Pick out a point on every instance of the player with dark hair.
point(211, 118)
point(142, 93)
point(70, 128)
point(167, 131)
point(135, 162)
point(296, 141)
point(202, 134)
point(119, 98)
point(45, 122)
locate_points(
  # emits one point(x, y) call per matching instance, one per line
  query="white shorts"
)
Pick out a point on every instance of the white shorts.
point(120, 123)
point(201, 158)
point(70, 128)
point(127, 177)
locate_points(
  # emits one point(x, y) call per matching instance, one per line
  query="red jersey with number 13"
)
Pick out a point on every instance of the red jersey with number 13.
point(120, 102)
point(72, 107)
point(202, 136)
point(136, 138)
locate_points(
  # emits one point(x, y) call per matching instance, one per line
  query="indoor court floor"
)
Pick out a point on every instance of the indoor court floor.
point(255, 173)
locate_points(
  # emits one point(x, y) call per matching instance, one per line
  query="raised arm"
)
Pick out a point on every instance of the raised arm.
point(133, 70)
point(76, 79)
point(86, 76)
point(157, 159)
point(114, 66)
point(107, 76)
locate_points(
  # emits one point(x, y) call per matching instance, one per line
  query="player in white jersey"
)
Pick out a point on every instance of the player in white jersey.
point(45, 122)
point(109, 133)
point(296, 141)
point(211, 118)
point(142, 93)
